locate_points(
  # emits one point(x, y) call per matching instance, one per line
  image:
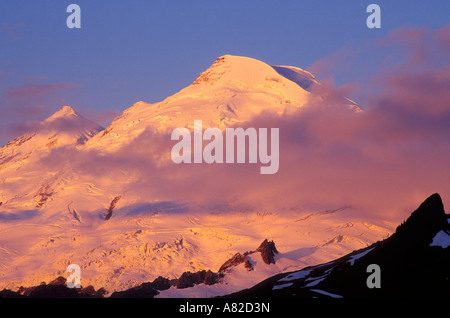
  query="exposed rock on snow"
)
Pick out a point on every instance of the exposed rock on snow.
point(268, 251)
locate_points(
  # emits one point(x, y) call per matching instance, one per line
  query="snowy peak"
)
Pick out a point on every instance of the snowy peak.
point(229, 68)
point(68, 121)
point(64, 128)
point(26, 181)
point(65, 121)
point(64, 112)
point(234, 89)
point(213, 74)
point(248, 86)
point(423, 224)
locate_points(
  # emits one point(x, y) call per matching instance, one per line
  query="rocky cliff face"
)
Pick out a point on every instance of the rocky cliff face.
point(268, 251)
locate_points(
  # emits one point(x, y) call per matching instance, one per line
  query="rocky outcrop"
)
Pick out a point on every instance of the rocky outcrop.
point(188, 279)
point(145, 290)
point(44, 193)
point(212, 74)
point(235, 260)
point(268, 251)
point(111, 207)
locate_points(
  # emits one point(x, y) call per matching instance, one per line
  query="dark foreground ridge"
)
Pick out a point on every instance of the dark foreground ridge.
point(54, 289)
point(411, 265)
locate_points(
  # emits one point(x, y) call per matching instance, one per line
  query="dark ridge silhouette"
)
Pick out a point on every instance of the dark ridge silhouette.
point(54, 289)
point(409, 266)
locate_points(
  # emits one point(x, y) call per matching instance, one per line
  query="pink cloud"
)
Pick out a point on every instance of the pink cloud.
point(32, 101)
point(33, 93)
point(383, 160)
point(419, 48)
point(442, 36)
point(337, 60)
point(12, 31)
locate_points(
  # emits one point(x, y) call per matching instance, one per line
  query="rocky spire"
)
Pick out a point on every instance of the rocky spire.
point(423, 224)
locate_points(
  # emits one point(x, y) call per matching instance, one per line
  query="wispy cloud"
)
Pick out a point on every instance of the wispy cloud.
point(35, 93)
point(12, 31)
point(31, 100)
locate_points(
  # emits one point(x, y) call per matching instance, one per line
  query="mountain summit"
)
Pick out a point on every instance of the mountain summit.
point(249, 71)
point(64, 127)
point(65, 111)
point(67, 121)
point(234, 89)
point(23, 167)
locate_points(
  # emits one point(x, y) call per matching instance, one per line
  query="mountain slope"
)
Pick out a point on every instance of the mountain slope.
point(65, 127)
point(414, 262)
point(21, 169)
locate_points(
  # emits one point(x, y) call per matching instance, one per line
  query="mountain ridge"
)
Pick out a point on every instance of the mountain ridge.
point(410, 266)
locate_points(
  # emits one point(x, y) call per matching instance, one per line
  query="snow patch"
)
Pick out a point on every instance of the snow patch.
point(326, 293)
point(301, 77)
point(297, 275)
point(281, 286)
point(315, 280)
point(359, 255)
point(441, 239)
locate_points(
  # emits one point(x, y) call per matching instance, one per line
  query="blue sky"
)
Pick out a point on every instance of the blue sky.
point(127, 51)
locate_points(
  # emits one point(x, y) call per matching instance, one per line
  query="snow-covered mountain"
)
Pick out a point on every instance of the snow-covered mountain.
point(22, 176)
point(65, 127)
point(72, 192)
